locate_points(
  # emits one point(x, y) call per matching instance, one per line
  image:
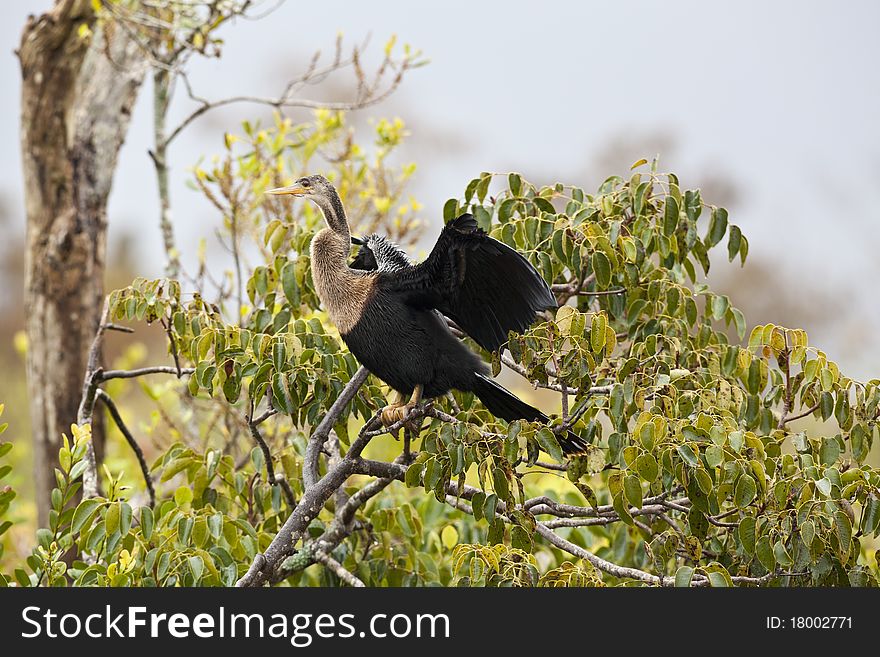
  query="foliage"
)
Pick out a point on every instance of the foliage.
point(7, 494)
point(696, 476)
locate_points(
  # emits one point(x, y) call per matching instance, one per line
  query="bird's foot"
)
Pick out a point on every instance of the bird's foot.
point(399, 411)
point(391, 414)
point(395, 413)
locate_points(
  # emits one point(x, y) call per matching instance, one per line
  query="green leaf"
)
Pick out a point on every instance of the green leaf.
point(597, 332)
point(197, 566)
point(646, 466)
point(734, 242)
point(746, 531)
point(745, 492)
point(413, 477)
point(499, 481)
point(602, 269)
point(808, 532)
point(112, 517)
point(520, 538)
point(687, 453)
point(871, 515)
point(146, 522)
point(514, 181)
point(717, 227)
point(289, 284)
point(683, 576)
point(830, 451)
point(449, 537)
point(718, 579)
point(843, 528)
point(783, 558)
point(84, 512)
point(450, 210)
point(549, 444)
point(764, 550)
point(714, 456)
point(632, 488)
point(183, 495)
point(670, 216)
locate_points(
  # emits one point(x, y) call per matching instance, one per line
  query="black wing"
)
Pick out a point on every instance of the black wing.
point(484, 286)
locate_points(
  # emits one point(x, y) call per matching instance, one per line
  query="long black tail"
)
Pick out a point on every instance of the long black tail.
point(504, 404)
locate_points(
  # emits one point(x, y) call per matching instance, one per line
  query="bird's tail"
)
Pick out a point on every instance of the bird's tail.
point(504, 404)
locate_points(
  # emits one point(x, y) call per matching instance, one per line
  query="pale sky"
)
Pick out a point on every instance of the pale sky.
point(782, 98)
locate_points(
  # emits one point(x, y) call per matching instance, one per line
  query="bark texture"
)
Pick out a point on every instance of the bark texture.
point(77, 96)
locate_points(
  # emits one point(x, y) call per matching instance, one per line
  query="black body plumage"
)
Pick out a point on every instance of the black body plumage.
point(484, 286)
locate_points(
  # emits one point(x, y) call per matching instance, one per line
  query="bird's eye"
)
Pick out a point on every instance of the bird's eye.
point(305, 182)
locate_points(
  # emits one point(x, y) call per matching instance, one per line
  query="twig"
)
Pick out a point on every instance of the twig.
point(367, 95)
point(561, 467)
point(334, 566)
point(265, 416)
point(791, 418)
point(274, 479)
point(600, 563)
point(138, 452)
point(110, 326)
point(143, 371)
point(319, 435)
point(87, 403)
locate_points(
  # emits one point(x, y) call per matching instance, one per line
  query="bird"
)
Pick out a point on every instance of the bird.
point(390, 312)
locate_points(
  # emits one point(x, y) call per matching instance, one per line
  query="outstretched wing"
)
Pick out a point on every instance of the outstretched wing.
point(484, 286)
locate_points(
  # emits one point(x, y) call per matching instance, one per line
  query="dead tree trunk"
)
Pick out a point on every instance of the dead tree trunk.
point(77, 95)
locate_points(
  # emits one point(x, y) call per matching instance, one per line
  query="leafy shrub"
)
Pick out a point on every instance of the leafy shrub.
point(696, 476)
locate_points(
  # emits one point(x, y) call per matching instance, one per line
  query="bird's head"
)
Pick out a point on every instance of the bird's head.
point(320, 191)
point(317, 188)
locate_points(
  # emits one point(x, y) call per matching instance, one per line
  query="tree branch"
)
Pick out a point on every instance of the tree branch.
point(273, 479)
point(337, 568)
point(600, 563)
point(785, 419)
point(143, 371)
point(313, 500)
point(319, 435)
point(138, 452)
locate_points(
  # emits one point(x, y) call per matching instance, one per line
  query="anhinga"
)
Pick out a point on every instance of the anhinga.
point(388, 311)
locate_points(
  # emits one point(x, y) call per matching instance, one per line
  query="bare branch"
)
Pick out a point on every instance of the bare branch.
point(600, 563)
point(273, 479)
point(143, 371)
point(319, 435)
point(138, 452)
point(785, 419)
point(87, 402)
point(366, 95)
point(312, 501)
point(337, 568)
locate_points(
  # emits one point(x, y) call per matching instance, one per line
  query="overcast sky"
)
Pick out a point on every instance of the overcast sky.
point(780, 98)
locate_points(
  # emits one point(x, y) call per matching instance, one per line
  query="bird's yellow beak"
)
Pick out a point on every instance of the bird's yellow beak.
point(293, 190)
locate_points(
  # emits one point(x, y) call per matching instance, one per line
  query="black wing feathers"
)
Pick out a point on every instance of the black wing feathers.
point(484, 286)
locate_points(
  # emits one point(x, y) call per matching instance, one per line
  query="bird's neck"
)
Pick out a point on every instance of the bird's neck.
point(334, 215)
point(342, 291)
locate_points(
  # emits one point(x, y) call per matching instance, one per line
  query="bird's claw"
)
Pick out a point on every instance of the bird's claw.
point(394, 413)
point(389, 414)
